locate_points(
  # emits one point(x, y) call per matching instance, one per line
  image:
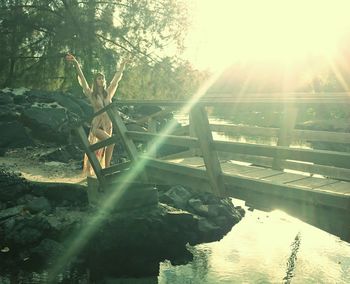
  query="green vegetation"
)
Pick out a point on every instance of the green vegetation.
point(36, 34)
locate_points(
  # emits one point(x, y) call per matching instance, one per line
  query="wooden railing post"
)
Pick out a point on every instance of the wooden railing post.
point(285, 135)
point(91, 155)
point(152, 128)
point(192, 133)
point(210, 157)
point(120, 129)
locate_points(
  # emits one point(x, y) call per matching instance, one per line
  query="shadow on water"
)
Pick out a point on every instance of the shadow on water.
point(291, 263)
point(331, 220)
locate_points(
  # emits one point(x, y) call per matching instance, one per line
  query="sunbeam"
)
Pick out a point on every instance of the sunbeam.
point(77, 241)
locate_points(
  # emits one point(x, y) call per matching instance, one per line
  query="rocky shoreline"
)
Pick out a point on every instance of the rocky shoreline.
point(40, 223)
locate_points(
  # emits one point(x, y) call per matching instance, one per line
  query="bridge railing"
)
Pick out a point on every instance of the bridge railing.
point(197, 136)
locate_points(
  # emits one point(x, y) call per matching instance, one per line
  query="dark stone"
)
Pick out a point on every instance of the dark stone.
point(59, 193)
point(38, 204)
point(64, 154)
point(176, 196)
point(21, 100)
point(46, 252)
point(26, 231)
point(8, 113)
point(6, 98)
point(14, 135)
point(147, 110)
point(47, 124)
point(12, 186)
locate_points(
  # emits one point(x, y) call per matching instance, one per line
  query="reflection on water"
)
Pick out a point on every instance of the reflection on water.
point(261, 248)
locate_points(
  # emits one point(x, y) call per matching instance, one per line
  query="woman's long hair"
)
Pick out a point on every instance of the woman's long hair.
point(95, 86)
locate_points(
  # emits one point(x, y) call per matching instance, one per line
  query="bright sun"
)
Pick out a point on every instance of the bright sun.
point(225, 31)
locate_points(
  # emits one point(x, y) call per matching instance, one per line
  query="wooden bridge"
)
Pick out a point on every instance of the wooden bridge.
point(306, 182)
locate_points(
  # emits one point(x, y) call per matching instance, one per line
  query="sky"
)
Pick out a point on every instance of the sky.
point(226, 31)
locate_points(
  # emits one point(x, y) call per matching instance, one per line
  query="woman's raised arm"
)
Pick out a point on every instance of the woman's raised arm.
point(114, 83)
point(82, 81)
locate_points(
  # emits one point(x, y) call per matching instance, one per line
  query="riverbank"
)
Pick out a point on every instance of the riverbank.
point(50, 225)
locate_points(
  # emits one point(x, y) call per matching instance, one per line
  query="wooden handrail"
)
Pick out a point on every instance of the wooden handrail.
point(330, 158)
point(166, 139)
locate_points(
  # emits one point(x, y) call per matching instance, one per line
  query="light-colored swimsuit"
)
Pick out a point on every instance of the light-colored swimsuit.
point(102, 122)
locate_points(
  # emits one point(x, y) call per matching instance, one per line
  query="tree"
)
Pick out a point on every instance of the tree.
point(36, 34)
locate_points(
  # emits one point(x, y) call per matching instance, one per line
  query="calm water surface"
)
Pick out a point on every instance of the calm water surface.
point(266, 248)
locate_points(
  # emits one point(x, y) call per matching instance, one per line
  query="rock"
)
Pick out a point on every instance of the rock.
point(12, 186)
point(14, 135)
point(6, 98)
point(47, 124)
point(10, 212)
point(38, 204)
point(46, 252)
point(198, 207)
point(25, 231)
point(177, 196)
point(63, 154)
point(8, 113)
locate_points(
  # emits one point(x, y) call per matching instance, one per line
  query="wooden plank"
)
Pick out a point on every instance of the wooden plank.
point(120, 128)
point(332, 172)
point(169, 177)
point(312, 182)
point(255, 160)
point(330, 158)
point(192, 161)
point(179, 155)
point(283, 178)
point(237, 169)
point(326, 136)
point(152, 128)
point(245, 130)
point(164, 139)
point(262, 173)
point(91, 155)
point(339, 187)
point(103, 143)
point(175, 168)
point(285, 191)
point(205, 139)
point(285, 133)
point(224, 99)
point(116, 168)
point(192, 133)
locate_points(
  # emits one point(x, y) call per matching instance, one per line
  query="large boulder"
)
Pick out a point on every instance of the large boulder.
point(51, 124)
point(14, 135)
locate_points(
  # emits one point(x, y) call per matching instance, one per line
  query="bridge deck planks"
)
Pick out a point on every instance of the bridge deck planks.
point(299, 181)
point(311, 182)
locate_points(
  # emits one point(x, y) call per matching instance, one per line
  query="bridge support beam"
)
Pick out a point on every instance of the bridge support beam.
point(210, 156)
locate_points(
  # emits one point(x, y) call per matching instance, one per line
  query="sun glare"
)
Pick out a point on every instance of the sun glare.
point(225, 31)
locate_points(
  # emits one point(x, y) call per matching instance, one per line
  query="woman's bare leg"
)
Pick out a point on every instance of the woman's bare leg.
point(103, 135)
point(109, 153)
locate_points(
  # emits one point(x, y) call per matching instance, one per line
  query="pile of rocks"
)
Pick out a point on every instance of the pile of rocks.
point(39, 222)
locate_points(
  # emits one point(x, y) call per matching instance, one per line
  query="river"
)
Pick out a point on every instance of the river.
point(266, 248)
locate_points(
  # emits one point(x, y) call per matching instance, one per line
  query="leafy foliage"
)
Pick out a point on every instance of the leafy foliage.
point(36, 34)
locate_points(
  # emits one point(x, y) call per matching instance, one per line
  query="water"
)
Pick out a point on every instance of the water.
point(266, 248)
point(262, 248)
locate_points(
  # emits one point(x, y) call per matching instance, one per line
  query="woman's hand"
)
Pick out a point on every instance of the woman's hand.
point(71, 58)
